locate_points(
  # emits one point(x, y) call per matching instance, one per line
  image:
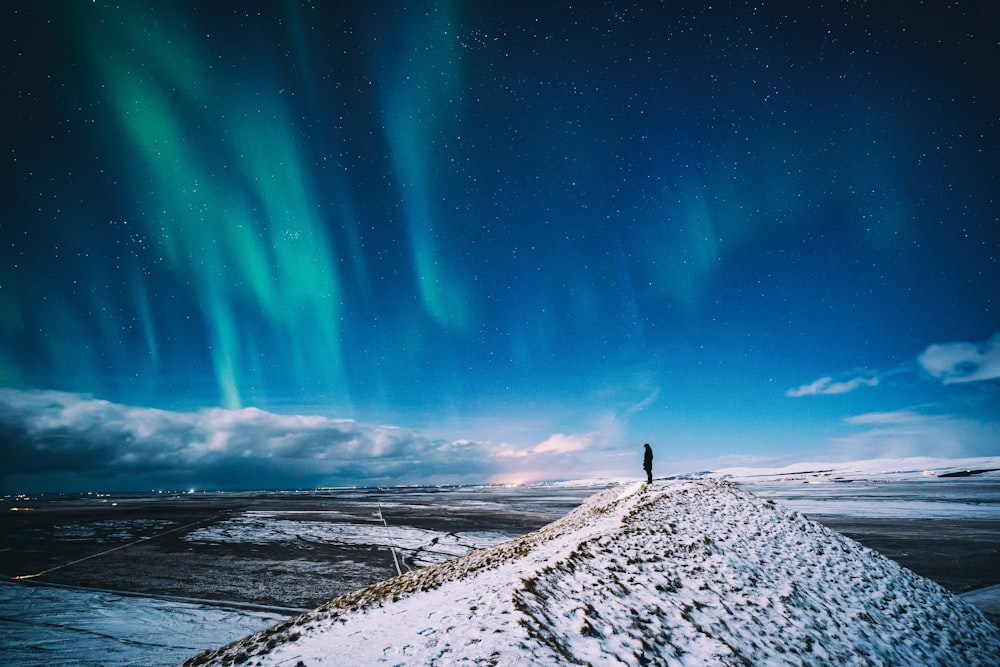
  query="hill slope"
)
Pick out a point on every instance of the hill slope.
point(693, 573)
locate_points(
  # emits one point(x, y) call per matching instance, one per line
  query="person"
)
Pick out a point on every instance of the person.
point(647, 463)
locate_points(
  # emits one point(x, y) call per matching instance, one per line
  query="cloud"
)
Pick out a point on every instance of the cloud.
point(91, 443)
point(600, 451)
point(952, 363)
point(904, 433)
point(958, 362)
point(894, 417)
point(561, 443)
point(827, 386)
point(641, 405)
point(60, 441)
point(555, 445)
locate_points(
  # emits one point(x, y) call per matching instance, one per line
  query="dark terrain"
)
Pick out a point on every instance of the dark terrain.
point(136, 543)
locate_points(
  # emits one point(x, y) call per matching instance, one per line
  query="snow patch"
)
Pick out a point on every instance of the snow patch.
point(420, 546)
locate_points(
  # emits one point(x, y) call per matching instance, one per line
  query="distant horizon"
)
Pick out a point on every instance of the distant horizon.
point(926, 466)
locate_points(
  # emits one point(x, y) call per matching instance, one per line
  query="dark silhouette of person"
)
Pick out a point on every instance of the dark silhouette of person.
point(647, 463)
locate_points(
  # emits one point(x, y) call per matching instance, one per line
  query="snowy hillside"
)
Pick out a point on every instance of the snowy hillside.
point(685, 573)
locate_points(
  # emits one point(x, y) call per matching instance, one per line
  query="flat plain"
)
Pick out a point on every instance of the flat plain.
point(155, 578)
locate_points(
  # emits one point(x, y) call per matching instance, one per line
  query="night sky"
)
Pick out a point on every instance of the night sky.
point(290, 244)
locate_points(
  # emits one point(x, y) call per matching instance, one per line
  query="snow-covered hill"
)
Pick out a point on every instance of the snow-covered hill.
point(683, 573)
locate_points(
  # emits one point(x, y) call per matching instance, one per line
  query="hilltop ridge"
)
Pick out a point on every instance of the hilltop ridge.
point(684, 573)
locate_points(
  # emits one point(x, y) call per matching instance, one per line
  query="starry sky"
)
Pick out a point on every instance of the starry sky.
point(293, 244)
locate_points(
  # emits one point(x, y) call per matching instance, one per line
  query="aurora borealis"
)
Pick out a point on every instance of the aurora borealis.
point(307, 243)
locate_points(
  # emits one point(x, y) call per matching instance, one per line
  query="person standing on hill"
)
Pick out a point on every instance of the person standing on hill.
point(647, 463)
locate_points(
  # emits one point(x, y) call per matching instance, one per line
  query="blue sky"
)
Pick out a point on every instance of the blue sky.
point(301, 244)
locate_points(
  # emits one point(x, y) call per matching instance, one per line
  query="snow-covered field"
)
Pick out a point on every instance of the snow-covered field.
point(920, 488)
point(59, 626)
point(674, 573)
point(419, 546)
point(342, 549)
point(924, 488)
point(65, 627)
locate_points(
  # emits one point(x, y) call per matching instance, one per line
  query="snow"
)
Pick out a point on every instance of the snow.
point(421, 546)
point(985, 599)
point(673, 573)
point(887, 488)
point(59, 626)
point(902, 469)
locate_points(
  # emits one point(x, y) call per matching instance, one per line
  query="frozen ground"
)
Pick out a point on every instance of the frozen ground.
point(939, 518)
point(298, 550)
point(417, 546)
point(63, 627)
point(921, 488)
point(672, 573)
point(289, 550)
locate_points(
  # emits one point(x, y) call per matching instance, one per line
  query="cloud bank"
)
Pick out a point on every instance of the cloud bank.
point(53, 440)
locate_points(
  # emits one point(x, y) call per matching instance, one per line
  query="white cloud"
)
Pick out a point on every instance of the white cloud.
point(894, 417)
point(828, 386)
point(952, 363)
point(561, 443)
point(554, 445)
point(49, 435)
point(905, 433)
point(962, 361)
point(596, 452)
point(67, 442)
